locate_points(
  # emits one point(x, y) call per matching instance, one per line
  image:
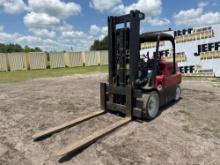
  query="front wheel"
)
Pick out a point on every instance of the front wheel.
point(151, 105)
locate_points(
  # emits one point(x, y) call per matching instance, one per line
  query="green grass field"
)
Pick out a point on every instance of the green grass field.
point(15, 76)
point(34, 74)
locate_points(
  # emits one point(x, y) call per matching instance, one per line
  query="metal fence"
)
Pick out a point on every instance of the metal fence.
point(103, 57)
point(3, 62)
point(91, 58)
point(17, 61)
point(37, 60)
point(73, 59)
point(56, 60)
point(41, 60)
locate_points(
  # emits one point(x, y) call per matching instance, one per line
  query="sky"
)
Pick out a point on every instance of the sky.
point(57, 25)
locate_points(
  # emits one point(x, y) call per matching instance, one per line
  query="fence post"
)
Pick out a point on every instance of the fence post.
point(83, 57)
point(98, 57)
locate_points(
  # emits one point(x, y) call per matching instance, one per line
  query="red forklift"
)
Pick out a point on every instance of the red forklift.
point(135, 88)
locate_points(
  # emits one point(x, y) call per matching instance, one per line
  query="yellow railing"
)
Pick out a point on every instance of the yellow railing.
point(147, 45)
point(199, 74)
point(180, 57)
point(209, 55)
point(194, 36)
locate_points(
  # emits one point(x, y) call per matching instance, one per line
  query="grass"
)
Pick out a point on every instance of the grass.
point(187, 129)
point(188, 118)
point(198, 78)
point(15, 76)
point(210, 129)
point(187, 114)
point(212, 126)
point(216, 79)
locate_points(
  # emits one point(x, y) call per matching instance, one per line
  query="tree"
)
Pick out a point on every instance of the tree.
point(17, 48)
point(2, 48)
point(37, 49)
point(9, 48)
point(27, 49)
point(100, 45)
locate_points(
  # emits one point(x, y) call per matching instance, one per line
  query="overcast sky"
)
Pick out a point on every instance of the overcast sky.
point(62, 24)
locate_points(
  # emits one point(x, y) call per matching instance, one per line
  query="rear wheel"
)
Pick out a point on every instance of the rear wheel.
point(178, 93)
point(151, 105)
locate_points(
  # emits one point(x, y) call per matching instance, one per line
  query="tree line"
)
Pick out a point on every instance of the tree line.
point(11, 48)
point(100, 44)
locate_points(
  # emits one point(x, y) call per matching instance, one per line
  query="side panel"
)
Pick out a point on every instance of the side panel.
point(169, 93)
point(17, 61)
point(90, 58)
point(172, 80)
point(57, 60)
point(103, 57)
point(38, 60)
point(3, 62)
point(73, 59)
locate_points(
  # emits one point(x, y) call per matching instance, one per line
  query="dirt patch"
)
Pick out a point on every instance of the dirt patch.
point(187, 132)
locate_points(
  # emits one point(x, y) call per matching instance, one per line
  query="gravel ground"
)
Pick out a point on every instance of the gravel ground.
point(187, 132)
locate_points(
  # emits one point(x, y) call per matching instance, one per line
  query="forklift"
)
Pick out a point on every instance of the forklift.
point(135, 88)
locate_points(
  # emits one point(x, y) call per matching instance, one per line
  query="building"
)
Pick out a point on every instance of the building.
point(197, 50)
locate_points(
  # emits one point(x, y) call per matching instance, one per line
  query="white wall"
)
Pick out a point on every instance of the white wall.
point(191, 47)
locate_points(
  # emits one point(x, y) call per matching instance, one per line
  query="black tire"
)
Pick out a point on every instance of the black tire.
point(177, 93)
point(150, 105)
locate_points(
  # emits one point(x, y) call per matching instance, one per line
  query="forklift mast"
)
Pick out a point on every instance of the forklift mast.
point(124, 48)
point(124, 56)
